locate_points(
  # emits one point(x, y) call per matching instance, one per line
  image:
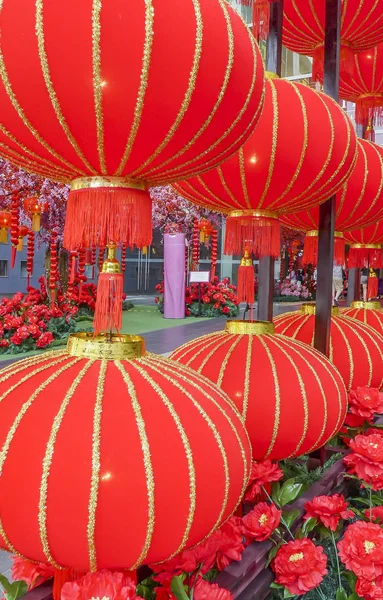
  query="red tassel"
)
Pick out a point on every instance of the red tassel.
point(372, 287)
point(347, 61)
point(96, 216)
point(369, 108)
point(262, 235)
point(73, 255)
point(310, 250)
point(246, 281)
point(261, 19)
point(358, 258)
point(108, 313)
point(339, 255)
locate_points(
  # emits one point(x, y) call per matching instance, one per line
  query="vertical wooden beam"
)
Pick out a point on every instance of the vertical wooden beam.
point(327, 209)
point(353, 290)
point(274, 65)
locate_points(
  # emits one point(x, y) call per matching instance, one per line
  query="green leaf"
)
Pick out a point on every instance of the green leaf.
point(341, 594)
point(276, 586)
point(13, 590)
point(309, 525)
point(290, 491)
point(290, 516)
point(354, 596)
point(177, 587)
point(275, 491)
point(287, 594)
point(272, 554)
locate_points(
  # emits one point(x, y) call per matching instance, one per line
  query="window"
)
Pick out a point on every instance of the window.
point(23, 268)
point(89, 271)
point(3, 268)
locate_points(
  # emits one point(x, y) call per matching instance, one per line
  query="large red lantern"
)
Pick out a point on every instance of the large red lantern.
point(288, 164)
point(370, 313)
point(364, 85)
point(5, 223)
point(358, 203)
point(365, 246)
point(100, 435)
point(291, 398)
point(355, 349)
point(132, 102)
point(304, 27)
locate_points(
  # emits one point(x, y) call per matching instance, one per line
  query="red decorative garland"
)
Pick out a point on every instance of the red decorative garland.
point(30, 255)
point(196, 243)
point(81, 269)
point(15, 212)
point(214, 252)
point(123, 258)
point(53, 275)
point(94, 255)
point(186, 261)
point(101, 253)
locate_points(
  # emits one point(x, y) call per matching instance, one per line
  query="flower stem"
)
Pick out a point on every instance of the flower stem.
point(321, 595)
point(282, 519)
point(337, 560)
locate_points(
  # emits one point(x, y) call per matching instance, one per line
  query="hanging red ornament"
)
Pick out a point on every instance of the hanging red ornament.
point(287, 165)
point(304, 27)
point(108, 312)
point(120, 134)
point(205, 229)
point(101, 253)
point(23, 231)
point(53, 267)
point(196, 243)
point(30, 255)
point(81, 269)
point(5, 223)
point(366, 246)
point(372, 284)
point(214, 252)
point(35, 209)
point(15, 216)
point(260, 16)
point(358, 203)
point(123, 258)
point(246, 279)
point(72, 262)
point(94, 255)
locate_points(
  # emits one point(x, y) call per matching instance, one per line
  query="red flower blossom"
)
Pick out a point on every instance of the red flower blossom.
point(210, 591)
point(329, 510)
point(33, 574)
point(370, 590)
point(361, 550)
point(226, 310)
point(15, 339)
point(4, 343)
point(262, 521)
point(34, 331)
point(354, 420)
point(262, 472)
point(365, 402)
point(102, 584)
point(366, 459)
point(375, 514)
point(300, 566)
point(44, 340)
point(23, 332)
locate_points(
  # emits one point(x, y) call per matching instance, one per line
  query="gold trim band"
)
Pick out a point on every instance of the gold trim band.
point(309, 308)
point(366, 246)
point(249, 327)
point(271, 75)
point(253, 213)
point(312, 233)
point(366, 305)
point(338, 234)
point(84, 183)
point(105, 347)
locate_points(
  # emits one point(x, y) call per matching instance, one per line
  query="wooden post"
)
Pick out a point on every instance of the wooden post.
point(327, 209)
point(273, 65)
point(353, 290)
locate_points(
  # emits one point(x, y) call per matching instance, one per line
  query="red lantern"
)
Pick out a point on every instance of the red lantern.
point(113, 132)
point(5, 223)
point(205, 229)
point(35, 209)
point(369, 313)
point(358, 203)
point(366, 246)
point(119, 428)
point(364, 85)
point(288, 164)
point(291, 398)
point(355, 348)
point(23, 231)
point(304, 26)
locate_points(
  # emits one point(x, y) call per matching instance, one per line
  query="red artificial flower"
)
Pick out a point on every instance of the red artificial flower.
point(374, 431)
point(262, 472)
point(366, 402)
point(300, 566)
point(4, 343)
point(102, 584)
point(375, 513)
point(15, 339)
point(44, 340)
point(34, 331)
point(262, 521)
point(226, 310)
point(354, 420)
point(370, 590)
point(164, 594)
point(22, 332)
point(210, 591)
point(33, 574)
point(366, 459)
point(329, 510)
point(205, 299)
point(361, 550)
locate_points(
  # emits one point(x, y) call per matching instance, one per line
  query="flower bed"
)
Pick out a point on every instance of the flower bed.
point(217, 299)
point(293, 291)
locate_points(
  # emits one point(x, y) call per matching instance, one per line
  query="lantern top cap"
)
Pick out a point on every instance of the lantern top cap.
point(366, 305)
point(249, 327)
point(309, 308)
point(105, 346)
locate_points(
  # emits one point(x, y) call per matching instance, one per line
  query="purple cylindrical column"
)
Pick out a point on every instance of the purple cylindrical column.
point(174, 276)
